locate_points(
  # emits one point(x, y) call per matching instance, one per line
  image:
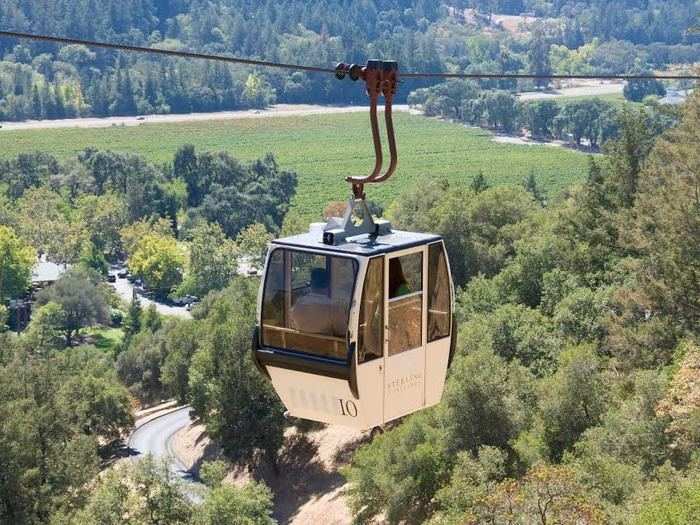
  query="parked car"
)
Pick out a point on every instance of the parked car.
point(123, 274)
point(111, 278)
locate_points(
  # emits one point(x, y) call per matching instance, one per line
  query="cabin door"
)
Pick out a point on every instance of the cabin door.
point(404, 332)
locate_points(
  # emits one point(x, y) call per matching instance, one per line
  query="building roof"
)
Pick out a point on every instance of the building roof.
point(360, 245)
point(47, 272)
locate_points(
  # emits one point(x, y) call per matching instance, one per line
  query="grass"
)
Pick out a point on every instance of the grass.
point(105, 338)
point(616, 99)
point(324, 149)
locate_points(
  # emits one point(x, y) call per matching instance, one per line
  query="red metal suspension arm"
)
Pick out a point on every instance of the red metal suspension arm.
point(380, 78)
point(389, 88)
point(372, 78)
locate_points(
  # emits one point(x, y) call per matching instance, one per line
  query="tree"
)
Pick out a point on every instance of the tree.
point(666, 219)
point(672, 503)
point(485, 402)
point(638, 90)
point(539, 117)
point(148, 493)
point(145, 491)
point(54, 425)
point(572, 400)
point(399, 473)
point(479, 231)
point(501, 110)
point(585, 119)
point(547, 494)
point(92, 259)
point(679, 406)
point(44, 333)
point(181, 342)
point(227, 392)
point(473, 478)
point(257, 92)
point(250, 504)
point(235, 195)
point(515, 333)
point(102, 405)
point(132, 234)
point(16, 260)
point(628, 154)
point(531, 186)
point(82, 300)
point(104, 216)
point(252, 243)
point(479, 183)
point(538, 56)
point(42, 220)
point(132, 323)
point(213, 260)
point(159, 261)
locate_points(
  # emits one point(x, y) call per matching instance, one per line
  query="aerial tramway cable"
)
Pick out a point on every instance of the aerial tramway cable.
point(327, 70)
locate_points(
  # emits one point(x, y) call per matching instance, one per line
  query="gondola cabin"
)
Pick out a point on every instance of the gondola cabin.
point(356, 332)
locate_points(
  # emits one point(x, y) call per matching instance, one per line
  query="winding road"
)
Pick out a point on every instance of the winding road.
point(155, 437)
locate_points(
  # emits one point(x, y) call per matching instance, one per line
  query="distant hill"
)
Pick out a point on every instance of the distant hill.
point(40, 80)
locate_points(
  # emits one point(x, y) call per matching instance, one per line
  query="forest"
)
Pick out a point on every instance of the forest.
point(42, 80)
point(590, 120)
point(572, 398)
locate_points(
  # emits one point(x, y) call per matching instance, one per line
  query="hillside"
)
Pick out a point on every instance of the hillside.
point(40, 80)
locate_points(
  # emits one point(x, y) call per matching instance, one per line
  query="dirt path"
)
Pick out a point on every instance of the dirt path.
point(309, 487)
point(279, 110)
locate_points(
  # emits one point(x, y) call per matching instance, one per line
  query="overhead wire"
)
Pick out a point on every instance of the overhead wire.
point(167, 52)
point(326, 70)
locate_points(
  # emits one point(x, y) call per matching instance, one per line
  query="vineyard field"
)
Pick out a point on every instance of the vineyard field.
point(324, 149)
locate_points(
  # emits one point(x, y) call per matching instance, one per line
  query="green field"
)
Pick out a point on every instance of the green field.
point(324, 149)
point(617, 100)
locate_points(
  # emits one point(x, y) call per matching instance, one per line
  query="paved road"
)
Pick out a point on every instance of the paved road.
point(125, 290)
point(155, 438)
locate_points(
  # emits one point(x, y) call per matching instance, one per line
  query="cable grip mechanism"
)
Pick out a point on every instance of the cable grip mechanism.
point(381, 79)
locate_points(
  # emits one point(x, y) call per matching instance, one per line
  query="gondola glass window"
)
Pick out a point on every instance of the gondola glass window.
point(371, 338)
point(306, 302)
point(439, 293)
point(405, 303)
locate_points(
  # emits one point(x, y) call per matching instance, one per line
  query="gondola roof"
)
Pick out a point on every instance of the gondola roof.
point(363, 245)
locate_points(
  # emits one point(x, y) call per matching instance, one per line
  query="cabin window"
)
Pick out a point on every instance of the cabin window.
point(439, 294)
point(306, 302)
point(370, 336)
point(405, 303)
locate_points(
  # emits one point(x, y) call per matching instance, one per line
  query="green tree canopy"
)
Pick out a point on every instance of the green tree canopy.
point(16, 260)
point(82, 300)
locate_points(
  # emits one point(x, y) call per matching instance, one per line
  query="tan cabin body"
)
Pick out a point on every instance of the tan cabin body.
point(356, 334)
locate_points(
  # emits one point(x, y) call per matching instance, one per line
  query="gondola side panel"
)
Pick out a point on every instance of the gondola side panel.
point(323, 399)
point(438, 354)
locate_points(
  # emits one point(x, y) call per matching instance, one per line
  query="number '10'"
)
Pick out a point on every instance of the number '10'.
point(347, 407)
